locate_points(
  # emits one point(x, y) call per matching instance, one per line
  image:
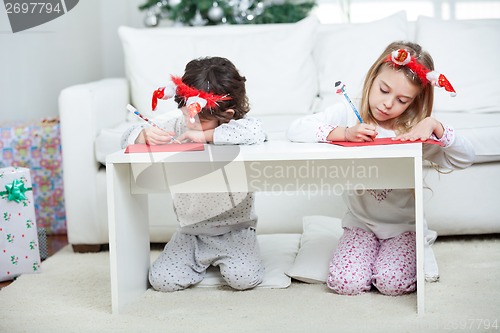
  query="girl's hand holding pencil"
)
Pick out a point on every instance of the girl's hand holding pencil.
point(360, 132)
point(154, 135)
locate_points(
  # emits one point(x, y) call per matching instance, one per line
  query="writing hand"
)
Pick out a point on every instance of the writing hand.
point(361, 132)
point(155, 136)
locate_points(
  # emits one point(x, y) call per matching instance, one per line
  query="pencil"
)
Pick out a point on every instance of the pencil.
point(341, 90)
point(137, 113)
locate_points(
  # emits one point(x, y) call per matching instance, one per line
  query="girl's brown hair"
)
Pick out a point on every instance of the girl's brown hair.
point(218, 76)
point(421, 107)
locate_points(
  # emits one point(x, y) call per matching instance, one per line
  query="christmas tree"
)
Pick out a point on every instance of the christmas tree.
point(212, 12)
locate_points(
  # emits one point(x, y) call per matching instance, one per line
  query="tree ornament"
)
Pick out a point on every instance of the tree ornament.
point(151, 19)
point(198, 20)
point(174, 3)
point(215, 13)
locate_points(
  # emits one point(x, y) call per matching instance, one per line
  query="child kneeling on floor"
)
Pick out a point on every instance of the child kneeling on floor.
point(217, 229)
point(378, 244)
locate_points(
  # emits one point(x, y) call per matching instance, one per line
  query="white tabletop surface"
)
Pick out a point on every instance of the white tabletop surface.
point(272, 150)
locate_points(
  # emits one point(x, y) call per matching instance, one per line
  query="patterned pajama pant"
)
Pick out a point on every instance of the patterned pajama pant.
point(362, 260)
point(186, 257)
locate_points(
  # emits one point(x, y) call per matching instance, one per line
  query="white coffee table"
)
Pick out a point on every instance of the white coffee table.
point(310, 166)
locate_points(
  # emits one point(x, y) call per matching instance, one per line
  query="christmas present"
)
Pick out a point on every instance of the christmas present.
point(19, 250)
point(36, 145)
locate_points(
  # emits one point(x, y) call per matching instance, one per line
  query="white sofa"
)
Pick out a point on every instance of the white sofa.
point(290, 70)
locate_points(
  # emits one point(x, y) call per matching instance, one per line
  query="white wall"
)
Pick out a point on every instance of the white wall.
point(78, 47)
point(113, 14)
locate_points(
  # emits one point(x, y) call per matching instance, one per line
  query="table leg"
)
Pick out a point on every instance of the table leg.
point(419, 226)
point(129, 250)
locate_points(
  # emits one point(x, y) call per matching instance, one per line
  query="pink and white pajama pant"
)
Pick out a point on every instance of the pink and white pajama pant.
point(362, 260)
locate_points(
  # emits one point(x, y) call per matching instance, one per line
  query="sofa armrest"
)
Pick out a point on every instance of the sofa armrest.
point(84, 110)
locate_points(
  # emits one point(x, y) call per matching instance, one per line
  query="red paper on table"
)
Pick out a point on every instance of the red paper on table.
point(382, 141)
point(171, 147)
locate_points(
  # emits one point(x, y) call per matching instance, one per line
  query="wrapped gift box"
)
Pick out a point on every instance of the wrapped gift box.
point(37, 146)
point(19, 250)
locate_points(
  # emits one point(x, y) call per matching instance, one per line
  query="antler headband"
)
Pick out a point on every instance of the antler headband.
point(195, 99)
point(402, 57)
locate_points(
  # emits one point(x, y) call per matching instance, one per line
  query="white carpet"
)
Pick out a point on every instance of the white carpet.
point(72, 294)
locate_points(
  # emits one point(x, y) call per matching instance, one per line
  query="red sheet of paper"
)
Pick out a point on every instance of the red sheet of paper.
point(172, 147)
point(382, 141)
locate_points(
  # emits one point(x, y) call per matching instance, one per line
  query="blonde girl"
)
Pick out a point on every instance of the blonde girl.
point(377, 247)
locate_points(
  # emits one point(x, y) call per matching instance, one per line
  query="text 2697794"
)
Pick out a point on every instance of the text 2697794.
point(32, 7)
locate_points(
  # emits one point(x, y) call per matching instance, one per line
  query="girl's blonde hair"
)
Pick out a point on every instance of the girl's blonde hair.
point(421, 107)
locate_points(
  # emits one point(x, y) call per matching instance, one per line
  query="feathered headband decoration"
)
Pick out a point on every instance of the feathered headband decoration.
point(195, 99)
point(402, 57)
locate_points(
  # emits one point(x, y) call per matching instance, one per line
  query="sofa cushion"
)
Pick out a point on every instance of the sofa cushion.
point(345, 52)
point(319, 239)
point(276, 59)
point(482, 129)
point(466, 52)
point(108, 140)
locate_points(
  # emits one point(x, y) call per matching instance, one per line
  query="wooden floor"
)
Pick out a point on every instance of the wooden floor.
point(54, 244)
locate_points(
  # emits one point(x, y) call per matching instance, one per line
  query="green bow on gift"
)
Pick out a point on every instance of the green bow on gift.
point(15, 191)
